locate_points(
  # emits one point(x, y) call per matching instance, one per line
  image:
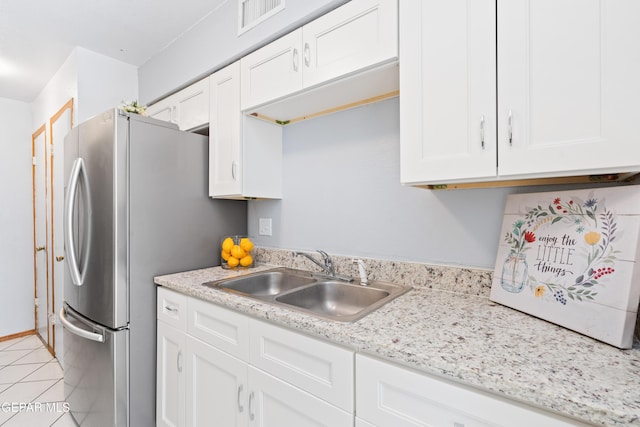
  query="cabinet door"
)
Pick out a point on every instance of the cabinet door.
point(170, 397)
point(272, 71)
point(352, 37)
point(568, 86)
point(192, 105)
point(391, 396)
point(225, 133)
point(273, 402)
point(447, 82)
point(216, 387)
point(162, 110)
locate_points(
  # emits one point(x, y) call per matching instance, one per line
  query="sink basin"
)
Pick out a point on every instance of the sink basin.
point(266, 283)
point(319, 296)
point(334, 299)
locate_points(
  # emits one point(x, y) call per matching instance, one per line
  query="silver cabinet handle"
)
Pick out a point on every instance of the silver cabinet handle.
point(234, 170)
point(78, 331)
point(510, 127)
point(295, 60)
point(171, 309)
point(240, 408)
point(307, 54)
point(251, 414)
point(179, 361)
point(482, 131)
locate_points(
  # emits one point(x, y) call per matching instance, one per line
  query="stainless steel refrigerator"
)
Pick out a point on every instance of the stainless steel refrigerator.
point(136, 206)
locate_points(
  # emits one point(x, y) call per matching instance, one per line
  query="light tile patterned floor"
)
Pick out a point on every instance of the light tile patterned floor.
point(31, 387)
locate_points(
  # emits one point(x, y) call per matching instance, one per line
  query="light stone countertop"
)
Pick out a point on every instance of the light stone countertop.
point(469, 339)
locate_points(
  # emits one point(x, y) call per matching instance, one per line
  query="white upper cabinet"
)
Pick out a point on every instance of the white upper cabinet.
point(245, 154)
point(272, 71)
point(188, 108)
point(566, 78)
point(448, 90)
point(353, 37)
point(568, 75)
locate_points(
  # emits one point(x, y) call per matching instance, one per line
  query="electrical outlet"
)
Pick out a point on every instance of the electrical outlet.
point(264, 227)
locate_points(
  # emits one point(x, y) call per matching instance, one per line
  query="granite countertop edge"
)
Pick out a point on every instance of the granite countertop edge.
point(469, 340)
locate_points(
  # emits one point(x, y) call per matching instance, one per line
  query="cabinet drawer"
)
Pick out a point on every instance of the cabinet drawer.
point(172, 308)
point(219, 327)
point(316, 366)
point(389, 395)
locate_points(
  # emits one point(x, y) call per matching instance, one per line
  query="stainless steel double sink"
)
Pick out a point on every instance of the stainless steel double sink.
point(318, 295)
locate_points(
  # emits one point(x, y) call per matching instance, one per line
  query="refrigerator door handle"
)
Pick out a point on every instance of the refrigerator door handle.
point(78, 169)
point(93, 336)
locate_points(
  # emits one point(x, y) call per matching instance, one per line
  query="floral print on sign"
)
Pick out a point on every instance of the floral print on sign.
point(566, 246)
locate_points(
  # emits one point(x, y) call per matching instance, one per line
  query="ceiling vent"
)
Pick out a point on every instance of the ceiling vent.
point(253, 12)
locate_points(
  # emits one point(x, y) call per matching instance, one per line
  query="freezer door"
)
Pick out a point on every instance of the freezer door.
point(96, 221)
point(95, 371)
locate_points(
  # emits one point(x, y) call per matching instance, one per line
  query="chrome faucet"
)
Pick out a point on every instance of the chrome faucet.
point(326, 265)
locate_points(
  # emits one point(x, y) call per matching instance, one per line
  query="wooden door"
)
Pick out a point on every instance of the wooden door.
point(40, 268)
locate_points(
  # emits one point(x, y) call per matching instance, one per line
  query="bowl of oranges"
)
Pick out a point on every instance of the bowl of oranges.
point(237, 252)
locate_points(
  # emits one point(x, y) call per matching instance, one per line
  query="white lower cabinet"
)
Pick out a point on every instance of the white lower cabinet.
point(208, 376)
point(273, 402)
point(362, 423)
point(389, 395)
point(216, 386)
point(218, 367)
point(171, 343)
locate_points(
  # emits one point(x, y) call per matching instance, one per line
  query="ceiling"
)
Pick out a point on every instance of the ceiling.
point(37, 36)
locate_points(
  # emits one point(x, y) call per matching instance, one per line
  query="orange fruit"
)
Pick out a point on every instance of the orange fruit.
point(227, 244)
point(233, 262)
point(225, 255)
point(246, 261)
point(246, 244)
point(237, 252)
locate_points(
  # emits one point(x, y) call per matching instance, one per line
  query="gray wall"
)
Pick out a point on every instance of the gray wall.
point(214, 43)
point(342, 193)
point(16, 218)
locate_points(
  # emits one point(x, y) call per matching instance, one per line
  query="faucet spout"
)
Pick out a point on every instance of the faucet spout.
point(326, 264)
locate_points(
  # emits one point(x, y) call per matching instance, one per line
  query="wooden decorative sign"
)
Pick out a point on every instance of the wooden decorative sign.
point(571, 257)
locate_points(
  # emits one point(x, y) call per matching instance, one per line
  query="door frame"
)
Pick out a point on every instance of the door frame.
point(34, 136)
